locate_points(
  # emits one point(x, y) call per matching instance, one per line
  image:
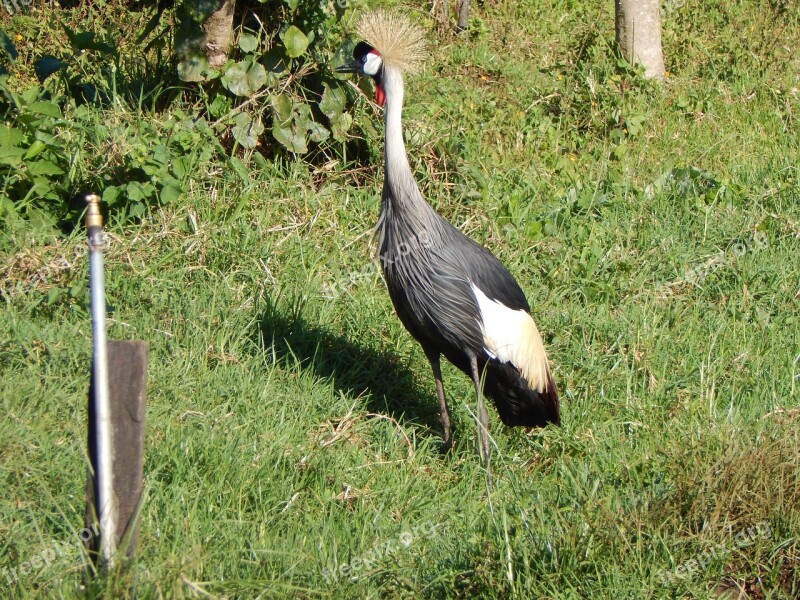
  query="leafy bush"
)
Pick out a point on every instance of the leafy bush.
point(288, 64)
point(83, 112)
point(63, 136)
point(159, 166)
point(33, 160)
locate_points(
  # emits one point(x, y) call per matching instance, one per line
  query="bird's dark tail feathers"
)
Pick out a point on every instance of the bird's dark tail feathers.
point(516, 402)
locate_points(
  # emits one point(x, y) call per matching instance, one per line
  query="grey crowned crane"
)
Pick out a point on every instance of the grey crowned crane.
point(452, 294)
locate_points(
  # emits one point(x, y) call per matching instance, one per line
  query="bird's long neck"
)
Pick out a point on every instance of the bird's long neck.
point(399, 182)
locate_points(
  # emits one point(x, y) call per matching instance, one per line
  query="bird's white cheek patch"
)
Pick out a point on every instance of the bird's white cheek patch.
point(373, 64)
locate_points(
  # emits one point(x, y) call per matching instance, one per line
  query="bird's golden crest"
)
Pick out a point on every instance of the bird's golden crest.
point(402, 44)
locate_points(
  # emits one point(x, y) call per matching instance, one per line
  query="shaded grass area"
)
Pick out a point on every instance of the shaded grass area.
point(293, 442)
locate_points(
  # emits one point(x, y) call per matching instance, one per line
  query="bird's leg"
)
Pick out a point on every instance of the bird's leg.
point(444, 412)
point(483, 416)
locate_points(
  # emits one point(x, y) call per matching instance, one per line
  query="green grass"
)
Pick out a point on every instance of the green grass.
point(292, 431)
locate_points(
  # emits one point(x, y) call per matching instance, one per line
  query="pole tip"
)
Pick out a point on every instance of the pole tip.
point(94, 218)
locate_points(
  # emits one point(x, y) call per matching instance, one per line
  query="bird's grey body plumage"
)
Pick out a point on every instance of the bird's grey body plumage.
point(452, 294)
point(430, 267)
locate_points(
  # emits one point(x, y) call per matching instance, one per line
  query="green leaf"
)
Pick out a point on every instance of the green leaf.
point(137, 191)
point(44, 167)
point(247, 130)
point(292, 4)
point(219, 106)
point(111, 195)
point(30, 95)
point(53, 295)
point(635, 124)
point(259, 160)
point(333, 101)
point(9, 136)
point(42, 220)
point(340, 126)
point(7, 206)
point(35, 149)
point(152, 170)
point(248, 42)
point(281, 108)
point(42, 187)
point(10, 155)
point(160, 155)
point(275, 63)
point(245, 78)
point(136, 210)
point(169, 180)
point(8, 46)
point(85, 41)
point(45, 108)
point(304, 122)
point(51, 141)
point(240, 169)
point(291, 122)
point(317, 133)
point(290, 139)
point(302, 112)
point(46, 66)
point(181, 166)
point(295, 41)
point(169, 194)
point(534, 229)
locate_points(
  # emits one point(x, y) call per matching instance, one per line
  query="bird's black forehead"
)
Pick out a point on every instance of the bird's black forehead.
point(362, 49)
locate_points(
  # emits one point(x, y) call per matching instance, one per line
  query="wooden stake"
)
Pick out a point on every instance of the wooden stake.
point(127, 380)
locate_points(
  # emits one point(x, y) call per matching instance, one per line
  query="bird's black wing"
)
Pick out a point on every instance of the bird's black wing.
point(431, 284)
point(484, 269)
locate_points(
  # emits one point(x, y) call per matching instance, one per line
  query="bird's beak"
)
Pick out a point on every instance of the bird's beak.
point(349, 67)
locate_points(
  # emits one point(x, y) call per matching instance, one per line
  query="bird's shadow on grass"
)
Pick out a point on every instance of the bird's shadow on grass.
point(385, 384)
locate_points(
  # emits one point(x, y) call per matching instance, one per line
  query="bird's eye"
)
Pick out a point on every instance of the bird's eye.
point(364, 59)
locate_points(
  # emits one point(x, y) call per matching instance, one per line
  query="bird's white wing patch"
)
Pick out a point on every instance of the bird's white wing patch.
point(502, 326)
point(511, 336)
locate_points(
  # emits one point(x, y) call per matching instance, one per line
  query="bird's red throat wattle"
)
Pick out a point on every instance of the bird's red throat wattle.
point(380, 94)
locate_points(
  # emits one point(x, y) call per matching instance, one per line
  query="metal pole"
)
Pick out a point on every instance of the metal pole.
point(104, 475)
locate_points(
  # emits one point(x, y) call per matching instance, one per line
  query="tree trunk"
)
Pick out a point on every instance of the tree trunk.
point(463, 16)
point(218, 30)
point(639, 35)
